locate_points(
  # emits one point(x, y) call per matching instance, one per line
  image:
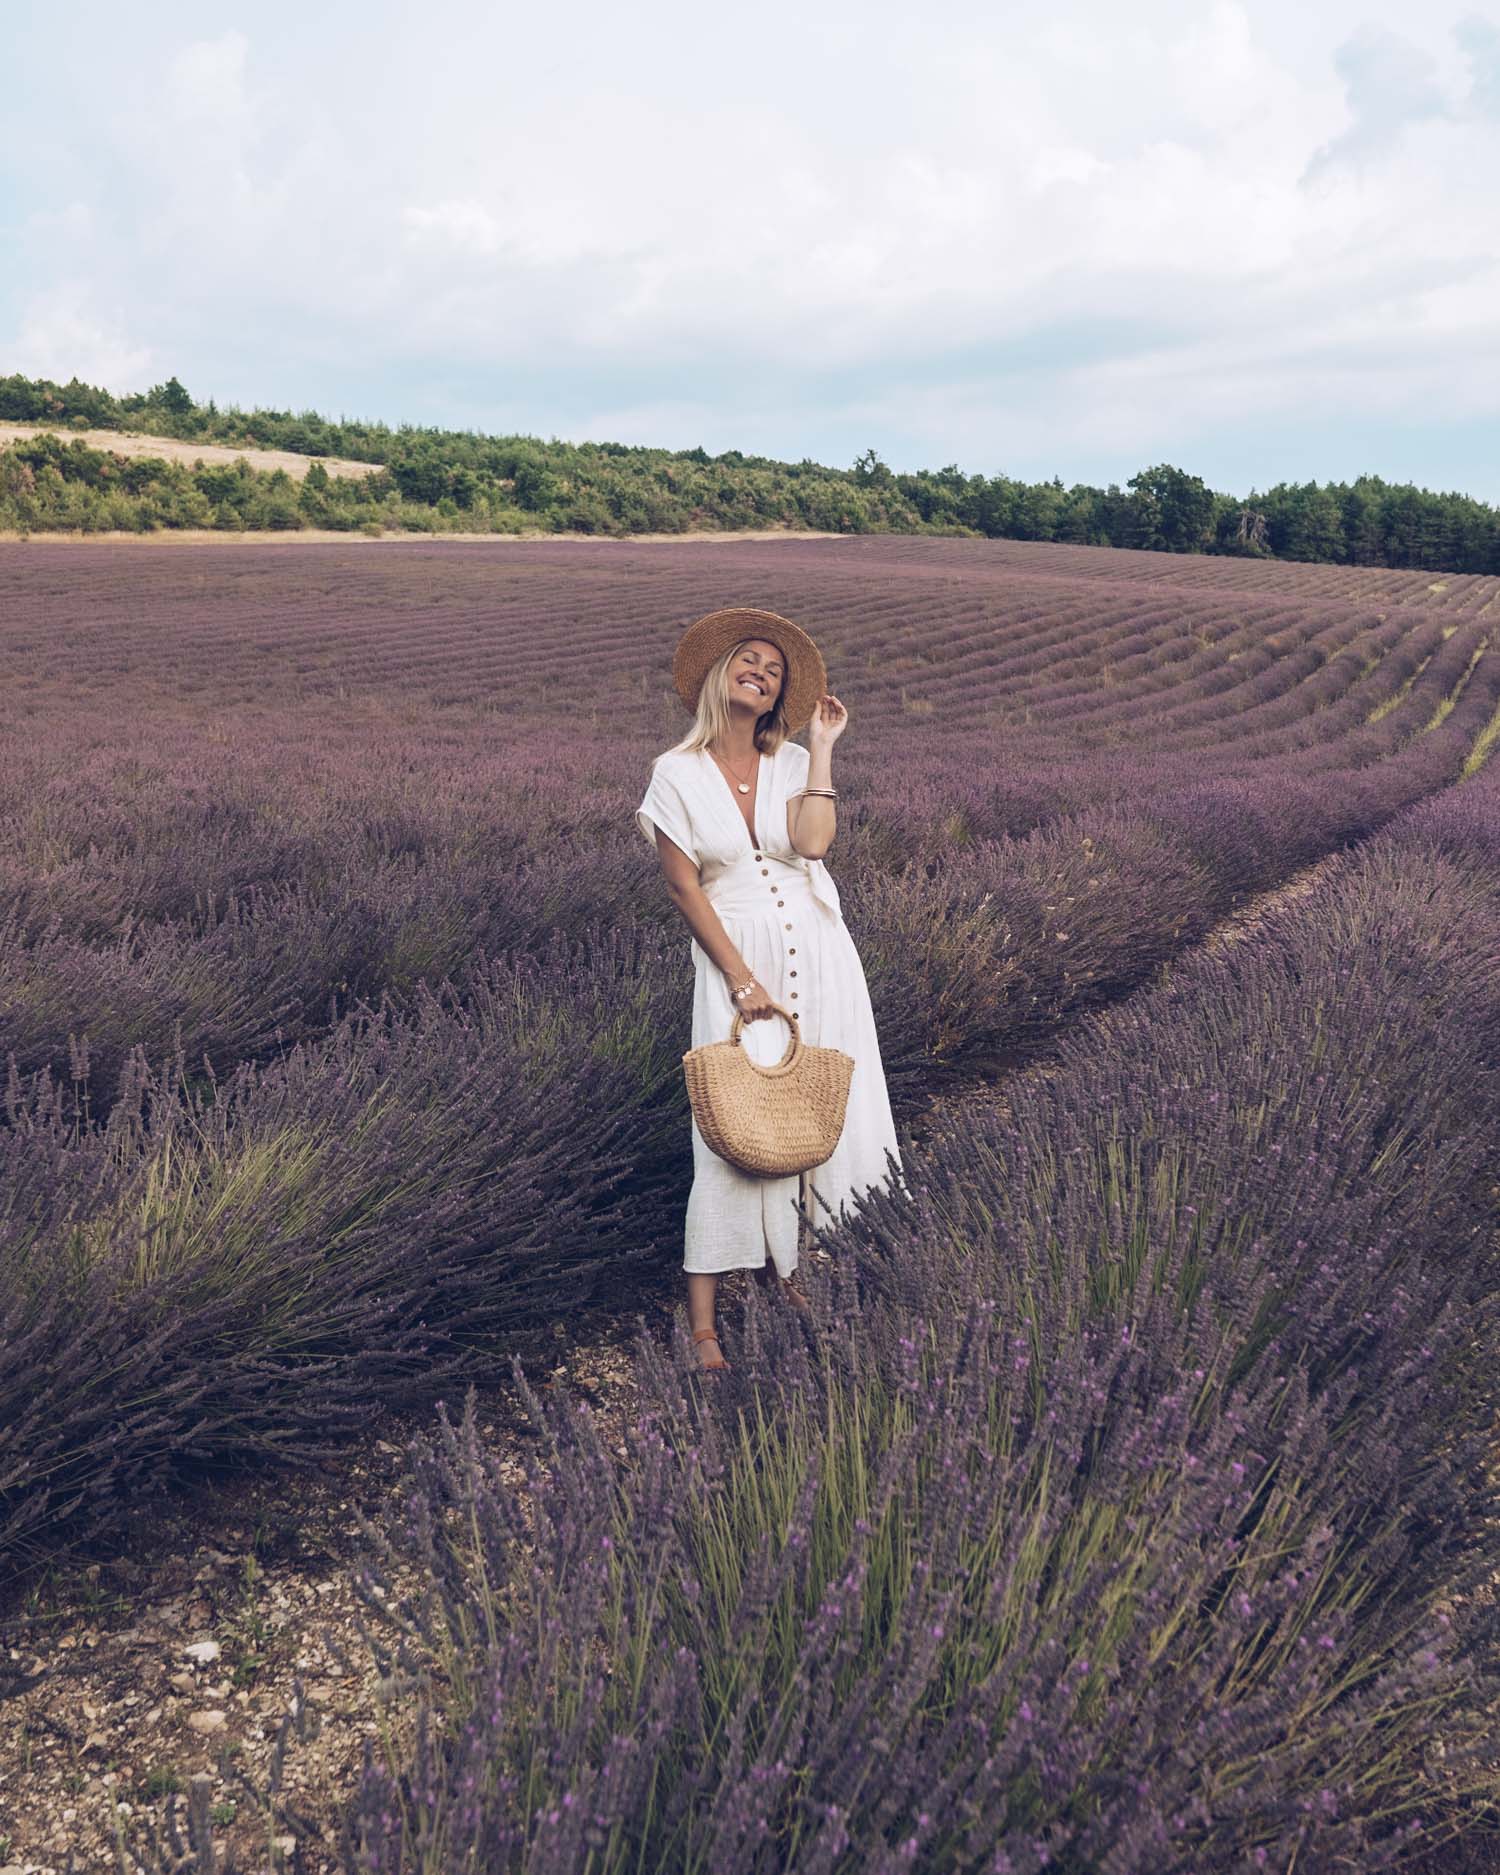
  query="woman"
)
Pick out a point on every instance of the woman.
point(741, 818)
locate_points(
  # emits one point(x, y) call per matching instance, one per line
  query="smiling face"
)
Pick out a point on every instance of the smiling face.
point(755, 676)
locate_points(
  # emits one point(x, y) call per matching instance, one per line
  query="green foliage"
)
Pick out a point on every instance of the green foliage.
point(870, 472)
point(437, 481)
point(172, 397)
point(1174, 512)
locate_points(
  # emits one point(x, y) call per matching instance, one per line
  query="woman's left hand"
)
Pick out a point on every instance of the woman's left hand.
point(829, 721)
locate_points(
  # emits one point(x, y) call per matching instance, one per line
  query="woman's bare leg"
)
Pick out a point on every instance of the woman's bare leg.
point(788, 1286)
point(702, 1288)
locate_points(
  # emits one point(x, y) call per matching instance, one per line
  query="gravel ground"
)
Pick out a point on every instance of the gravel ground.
point(179, 1652)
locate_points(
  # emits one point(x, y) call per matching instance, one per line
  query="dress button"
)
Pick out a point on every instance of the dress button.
point(794, 996)
point(794, 973)
point(789, 927)
point(764, 871)
point(791, 948)
point(779, 903)
point(757, 856)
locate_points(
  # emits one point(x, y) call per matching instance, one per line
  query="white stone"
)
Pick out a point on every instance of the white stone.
point(214, 1721)
point(204, 1652)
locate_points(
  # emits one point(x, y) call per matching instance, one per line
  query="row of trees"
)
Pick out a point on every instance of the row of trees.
point(433, 479)
point(1367, 522)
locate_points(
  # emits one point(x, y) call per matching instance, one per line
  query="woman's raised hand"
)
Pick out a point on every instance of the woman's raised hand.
point(829, 721)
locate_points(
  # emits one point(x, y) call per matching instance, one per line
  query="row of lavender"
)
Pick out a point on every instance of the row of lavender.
point(525, 628)
point(223, 719)
point(1124, 1509)
point(251, 1256)
point(328, 776)
point(227, 920)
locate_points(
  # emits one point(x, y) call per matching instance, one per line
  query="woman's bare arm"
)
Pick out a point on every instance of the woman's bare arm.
point(697, 908)
point(811, 820)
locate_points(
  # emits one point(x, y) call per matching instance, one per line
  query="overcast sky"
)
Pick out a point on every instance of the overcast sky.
point(1062, 239)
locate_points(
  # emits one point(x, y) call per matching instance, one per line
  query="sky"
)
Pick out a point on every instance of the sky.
point(1070, 239)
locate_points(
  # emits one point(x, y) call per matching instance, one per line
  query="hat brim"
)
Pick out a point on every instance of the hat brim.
point(804, 679)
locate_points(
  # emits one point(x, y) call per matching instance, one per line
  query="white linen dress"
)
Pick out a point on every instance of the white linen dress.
point(782, 913)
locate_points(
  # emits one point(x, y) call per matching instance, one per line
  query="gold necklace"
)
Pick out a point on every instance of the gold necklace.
point(743, 786)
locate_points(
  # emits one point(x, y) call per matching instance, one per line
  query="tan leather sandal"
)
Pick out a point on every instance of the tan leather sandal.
point(710, 1367)
point(793, 1291)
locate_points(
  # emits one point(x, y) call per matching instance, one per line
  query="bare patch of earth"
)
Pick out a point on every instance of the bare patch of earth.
point(179, 1652)
point(170, 449)
point(1252, 915)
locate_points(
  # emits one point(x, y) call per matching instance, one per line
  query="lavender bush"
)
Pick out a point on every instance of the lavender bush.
point(363, 1221)
point(251, 945)
point(595, 1155)
point(1121, 887)
point(1124, 1513)
point(333, 805)
point(342, 1012)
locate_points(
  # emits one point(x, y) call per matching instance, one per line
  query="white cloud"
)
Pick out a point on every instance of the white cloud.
point(62, 335)
point(206, 83)
point(1390, 83)
point(1064, 163)
point(74, 222)
point(467, 227)
point(1291, 206)
point(1479, 41)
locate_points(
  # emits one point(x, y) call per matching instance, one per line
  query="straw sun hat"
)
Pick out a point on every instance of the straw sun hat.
point(804, 680)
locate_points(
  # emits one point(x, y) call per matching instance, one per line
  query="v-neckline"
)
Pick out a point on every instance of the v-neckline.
point(760, 774)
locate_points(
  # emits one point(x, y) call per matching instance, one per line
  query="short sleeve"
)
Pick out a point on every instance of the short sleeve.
point(664, 807)
point(799, 762)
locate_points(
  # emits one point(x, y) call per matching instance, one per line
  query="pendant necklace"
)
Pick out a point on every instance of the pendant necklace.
point(743, 786)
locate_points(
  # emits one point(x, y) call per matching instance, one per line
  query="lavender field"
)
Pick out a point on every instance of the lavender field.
point(1127, 1502)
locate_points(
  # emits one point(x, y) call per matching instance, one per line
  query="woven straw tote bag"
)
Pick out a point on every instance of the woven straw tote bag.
point(774, 1120)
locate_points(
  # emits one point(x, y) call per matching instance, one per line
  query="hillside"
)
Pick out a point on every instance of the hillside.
point(371, 477)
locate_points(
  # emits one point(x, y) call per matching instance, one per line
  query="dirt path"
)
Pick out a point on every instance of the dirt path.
point(951, 1111)
point(1251, 916)
point(180, 1654)
point(123, 1679)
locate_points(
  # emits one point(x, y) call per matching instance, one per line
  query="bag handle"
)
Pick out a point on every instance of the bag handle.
point(793, 1046)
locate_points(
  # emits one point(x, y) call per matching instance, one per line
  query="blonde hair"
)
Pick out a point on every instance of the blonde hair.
point(711, 719)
